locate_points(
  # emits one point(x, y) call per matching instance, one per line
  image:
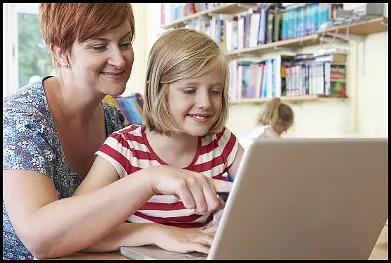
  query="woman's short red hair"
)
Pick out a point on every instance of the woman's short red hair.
point(64, 23)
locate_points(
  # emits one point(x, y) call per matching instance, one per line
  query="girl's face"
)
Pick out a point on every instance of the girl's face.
point(104, 63)
point(196, 103)
point(279, 128)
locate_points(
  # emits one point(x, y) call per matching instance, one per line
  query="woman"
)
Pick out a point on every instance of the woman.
point(53, 127)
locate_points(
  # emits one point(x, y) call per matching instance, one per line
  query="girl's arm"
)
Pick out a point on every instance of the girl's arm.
point(129, 234)
point(235, 165)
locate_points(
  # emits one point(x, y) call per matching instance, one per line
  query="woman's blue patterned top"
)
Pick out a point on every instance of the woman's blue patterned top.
point(30, 142)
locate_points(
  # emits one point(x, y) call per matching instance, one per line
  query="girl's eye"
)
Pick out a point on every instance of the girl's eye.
point(188, 91)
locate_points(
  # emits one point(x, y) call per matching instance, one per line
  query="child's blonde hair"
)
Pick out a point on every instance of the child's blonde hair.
point(180, 54)
point(277, 111)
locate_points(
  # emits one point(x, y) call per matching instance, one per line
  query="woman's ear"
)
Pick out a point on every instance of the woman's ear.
point(59, 55)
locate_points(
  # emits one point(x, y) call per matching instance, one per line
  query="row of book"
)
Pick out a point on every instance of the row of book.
point(270, 23)
point(214, 27)
point(264, 24)
point(172, 12)
point(131, 106)
point(288, 75)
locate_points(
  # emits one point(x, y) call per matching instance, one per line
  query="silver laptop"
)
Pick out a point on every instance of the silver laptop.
point(300, 199)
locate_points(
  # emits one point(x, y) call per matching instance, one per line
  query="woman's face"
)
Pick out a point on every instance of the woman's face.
point(104, 62)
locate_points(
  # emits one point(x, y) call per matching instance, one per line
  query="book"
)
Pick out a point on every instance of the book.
point(337, 80)
point(131, 107)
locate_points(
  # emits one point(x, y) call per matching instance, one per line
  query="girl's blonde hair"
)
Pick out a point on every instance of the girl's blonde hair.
point(277, 111)
point(180, 54)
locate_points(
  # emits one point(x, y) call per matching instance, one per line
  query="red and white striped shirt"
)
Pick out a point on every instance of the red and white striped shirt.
point(128, 151)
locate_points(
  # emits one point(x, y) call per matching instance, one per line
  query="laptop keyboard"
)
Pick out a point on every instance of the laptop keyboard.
point(191, 255)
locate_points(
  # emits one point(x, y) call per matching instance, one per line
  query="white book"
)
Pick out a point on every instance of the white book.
point(234, 34)
point(254, 28)
point(241, 32)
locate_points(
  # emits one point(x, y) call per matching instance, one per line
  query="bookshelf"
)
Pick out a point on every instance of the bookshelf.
point(362, 29)
point(355, 30)
point(230, 8)
point(293, 99)
point(274, 46)
point(263, 100)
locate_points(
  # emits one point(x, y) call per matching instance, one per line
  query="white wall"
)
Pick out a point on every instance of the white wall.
point(137, 78)
point(373, 88)
point(147, 20)
point(363, 114)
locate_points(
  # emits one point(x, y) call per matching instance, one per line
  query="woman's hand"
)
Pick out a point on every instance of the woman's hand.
point(184, 240)
point(195, 190)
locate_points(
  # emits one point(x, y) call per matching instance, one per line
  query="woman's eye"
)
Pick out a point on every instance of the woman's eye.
point(99, 47)
point(217, 92)
point(126, 45)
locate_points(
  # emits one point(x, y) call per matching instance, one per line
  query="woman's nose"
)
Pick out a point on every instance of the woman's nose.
point(117, 58)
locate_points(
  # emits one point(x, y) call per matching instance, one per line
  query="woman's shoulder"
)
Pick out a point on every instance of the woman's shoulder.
point(28, 99)
point(27, 105)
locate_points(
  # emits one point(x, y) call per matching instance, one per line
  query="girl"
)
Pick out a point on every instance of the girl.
point(276, 119)
point(185, 112)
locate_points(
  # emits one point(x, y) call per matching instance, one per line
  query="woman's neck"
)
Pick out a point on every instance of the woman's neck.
point(73, 103)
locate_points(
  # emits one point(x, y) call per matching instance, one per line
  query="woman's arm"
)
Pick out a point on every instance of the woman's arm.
point(170, 238)
point(126, 234)
point(50, 227)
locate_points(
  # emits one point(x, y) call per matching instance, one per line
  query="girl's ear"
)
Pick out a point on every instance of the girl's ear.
point(59, 55)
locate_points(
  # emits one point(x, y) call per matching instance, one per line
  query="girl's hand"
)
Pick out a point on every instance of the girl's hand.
point(195, 190)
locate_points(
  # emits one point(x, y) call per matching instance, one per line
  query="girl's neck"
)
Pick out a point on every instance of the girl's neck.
point(177, 150)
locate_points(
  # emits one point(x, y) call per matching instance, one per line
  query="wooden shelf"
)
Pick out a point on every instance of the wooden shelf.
point(230, 8)
point(362, 28)
point(291, 99)
point(274, 46)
